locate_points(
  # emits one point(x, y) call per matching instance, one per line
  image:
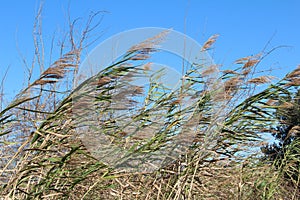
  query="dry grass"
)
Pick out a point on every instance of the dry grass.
point(43, 157)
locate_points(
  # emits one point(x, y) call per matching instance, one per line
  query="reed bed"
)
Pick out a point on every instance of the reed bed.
point(43, 156)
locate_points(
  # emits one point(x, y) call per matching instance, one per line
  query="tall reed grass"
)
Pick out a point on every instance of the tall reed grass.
point(43, 156)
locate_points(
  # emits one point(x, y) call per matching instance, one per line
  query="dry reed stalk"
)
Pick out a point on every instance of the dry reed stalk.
point(230, 72)
point(102, 81)
point(43, 82)
point(138, 90)
point(246, 72)
point(286, 105)
point(147, 66)
point(272, 102)
point(294, 74)
point(149, 45)
point(250, 63)
point(207, 45)
point(242, 60)
point(210, 70)
point(260, 80)
point(293, 82)
point(232, 84)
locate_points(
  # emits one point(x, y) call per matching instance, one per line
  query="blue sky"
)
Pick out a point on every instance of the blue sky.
point(245, 27)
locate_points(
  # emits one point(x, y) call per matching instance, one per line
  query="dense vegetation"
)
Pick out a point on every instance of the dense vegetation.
point(43, 157)
point(284, 153)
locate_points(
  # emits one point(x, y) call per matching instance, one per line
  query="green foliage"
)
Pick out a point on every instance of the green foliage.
point(285, 153)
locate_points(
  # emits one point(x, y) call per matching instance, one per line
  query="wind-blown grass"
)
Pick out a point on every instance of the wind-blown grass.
point(43, 156)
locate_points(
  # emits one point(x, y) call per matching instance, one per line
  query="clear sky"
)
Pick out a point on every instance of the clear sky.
point(245, 27)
